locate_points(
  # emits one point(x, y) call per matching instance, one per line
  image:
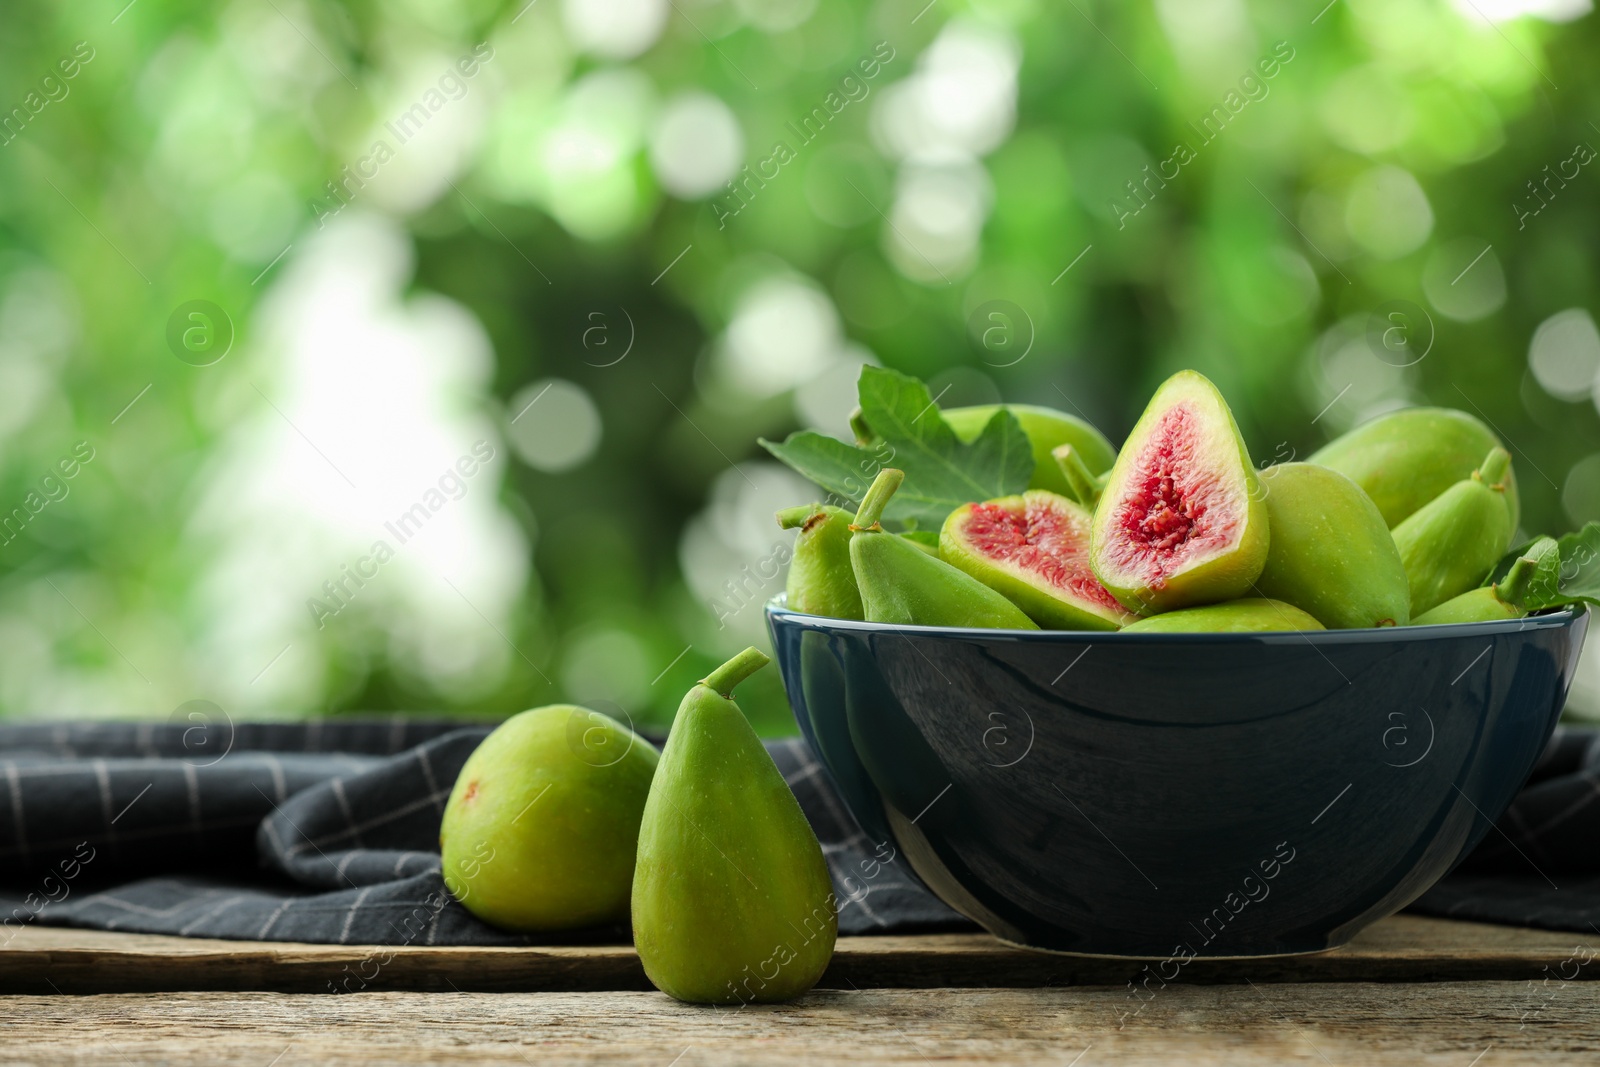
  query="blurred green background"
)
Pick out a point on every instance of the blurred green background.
point(276, 266)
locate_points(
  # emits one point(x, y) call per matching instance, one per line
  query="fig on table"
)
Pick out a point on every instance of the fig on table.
point(732, 900)
point(539, 830)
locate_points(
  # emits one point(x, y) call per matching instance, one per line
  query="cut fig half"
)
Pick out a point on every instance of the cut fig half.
point(1181, 520)
point(1033, 549)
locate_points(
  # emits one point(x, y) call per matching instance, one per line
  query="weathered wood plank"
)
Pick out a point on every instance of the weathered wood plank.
point(1476, 1024)
point(1402, 949)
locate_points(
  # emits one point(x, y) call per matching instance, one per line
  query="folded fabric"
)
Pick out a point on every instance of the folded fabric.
point(328, 832)
point(322, 832)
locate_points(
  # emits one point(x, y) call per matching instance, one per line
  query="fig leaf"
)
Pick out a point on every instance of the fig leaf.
point(1566, 572)
point(941, 472)
point(1580, 565)
point(1544, 588)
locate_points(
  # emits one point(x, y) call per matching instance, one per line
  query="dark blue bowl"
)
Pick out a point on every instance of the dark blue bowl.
point(1167, 795)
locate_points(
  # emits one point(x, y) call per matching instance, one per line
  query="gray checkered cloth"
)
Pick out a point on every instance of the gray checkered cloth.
point(327, 832)
point(1540, 865)
point(323, 832)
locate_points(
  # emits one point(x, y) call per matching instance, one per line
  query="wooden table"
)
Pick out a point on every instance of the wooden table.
point(1410, 990)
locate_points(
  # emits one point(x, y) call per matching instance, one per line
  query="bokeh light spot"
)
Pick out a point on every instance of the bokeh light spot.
point(1580, 495)
point(1463, 279)
point(554, 425)
point(696, 145)
point(1565, 354)
point(616, 29)
point(785, 332)
point(1387, 212)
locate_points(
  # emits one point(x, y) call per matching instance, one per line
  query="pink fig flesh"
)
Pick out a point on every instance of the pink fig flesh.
point(1181, 520)
point(1034, 549)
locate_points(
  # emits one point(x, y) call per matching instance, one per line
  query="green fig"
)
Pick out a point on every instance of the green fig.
point(732, 901)
point(820, 579)
point(1086, 486)
point(1502, 600)
point(1251, 615)
point(1330, 553)
point(1033, 549)
point(1047, 429)
point(538, 832)
point(1406, 458)
point(903, 585)
point(927, 540)
point(1181, 520)
point(1450, 543)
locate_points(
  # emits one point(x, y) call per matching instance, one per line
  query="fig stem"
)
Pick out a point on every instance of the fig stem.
point(736, 670)
point(877, 498)
point(798, 515)
point(1495, 465)
point(1077, 474)
point(859, 427)
point(1513, 588)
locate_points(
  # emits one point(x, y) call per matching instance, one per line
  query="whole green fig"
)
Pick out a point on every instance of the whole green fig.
point(1330, 553)
point(1489, 603)
point(1250, 615)
point(903, 585)
point(732, 901)
point(539, 830)
point(1454, 540)
point(821, 581)
point(1406, 458)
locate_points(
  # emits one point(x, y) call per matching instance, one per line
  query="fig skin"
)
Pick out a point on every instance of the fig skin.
point(1454, 540)
point(1406, 458)
point(1186, 403)
point(1475, 605)
point(1086, 486)
point(1053, 608)
point(821, 581)
point(732, 901)
point(539, 830)
point(1330, 553)
point(1250, 615)
point(903, 585)
point(1490, 603)
point(1047, 429)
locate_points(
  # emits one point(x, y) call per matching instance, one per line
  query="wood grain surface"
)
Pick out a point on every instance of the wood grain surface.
point(1455, 1024)
point(46, 960)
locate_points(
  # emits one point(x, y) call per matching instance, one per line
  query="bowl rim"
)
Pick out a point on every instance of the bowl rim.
point(777, 608)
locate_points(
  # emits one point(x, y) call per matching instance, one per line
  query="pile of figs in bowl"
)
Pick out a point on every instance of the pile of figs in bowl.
point(1158, 702)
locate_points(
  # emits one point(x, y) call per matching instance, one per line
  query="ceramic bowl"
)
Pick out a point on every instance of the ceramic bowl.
point(1162, 795)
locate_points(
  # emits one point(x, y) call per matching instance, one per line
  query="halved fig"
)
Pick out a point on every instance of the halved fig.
point(1181, 520)
point(1034, 549)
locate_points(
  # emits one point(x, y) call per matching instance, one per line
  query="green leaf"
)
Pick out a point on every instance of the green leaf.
point(843, 470)
point(1567, 571)
point(941, 472)
point(1544, 587)
point(1580, 565)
